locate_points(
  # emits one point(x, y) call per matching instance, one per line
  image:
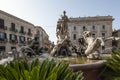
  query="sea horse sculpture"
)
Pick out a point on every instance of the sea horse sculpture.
point(91, 44)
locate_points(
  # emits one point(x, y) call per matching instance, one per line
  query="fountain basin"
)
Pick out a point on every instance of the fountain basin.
point(91, 71)
point(91, 68)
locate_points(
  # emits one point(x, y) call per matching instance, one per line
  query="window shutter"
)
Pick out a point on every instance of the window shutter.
point(5, 36)
point(15, 37)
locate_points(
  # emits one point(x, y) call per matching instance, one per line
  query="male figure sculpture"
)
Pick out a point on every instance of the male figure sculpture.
point(92, 43)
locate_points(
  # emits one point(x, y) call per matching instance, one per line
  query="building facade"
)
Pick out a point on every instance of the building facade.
point(100, 26)
point(116, 33)
point(43, 37)
point(14, 32)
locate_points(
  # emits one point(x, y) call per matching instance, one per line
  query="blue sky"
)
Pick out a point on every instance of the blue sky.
point(45, 13)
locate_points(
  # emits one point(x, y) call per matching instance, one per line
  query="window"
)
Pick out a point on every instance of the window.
point(2, 48)
point(22, 29)
point(12, 26)
point(103, 27)
point(2, 36)
point(38, 31)
point(28, 39)
point(21, 39)
point(84, 28)
point(103, 47)
point(13, 37)
point(93, 27)
point(13, 48)
point(74, 27)
point(1, 23)
point(74, 37)
point(103, 35)
point(93, 35)
point(29, 31)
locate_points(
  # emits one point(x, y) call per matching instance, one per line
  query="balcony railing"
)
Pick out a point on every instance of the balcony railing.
point(22, 32)
point(36, 35)
point(3, 40)
point(13, 30)
point(29, 33)
point(22, 42)
point(13, 41)
point(3, 27)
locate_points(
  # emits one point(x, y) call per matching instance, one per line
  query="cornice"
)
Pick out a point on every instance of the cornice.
point(12, 16)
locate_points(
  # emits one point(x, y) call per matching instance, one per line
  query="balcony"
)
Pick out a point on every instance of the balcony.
point(22, 42)
point(36, 35)
point(22, 32)
point(13, 30)
point(3, 40)
point(29, 33)
point(13, 41)
point(3, 28)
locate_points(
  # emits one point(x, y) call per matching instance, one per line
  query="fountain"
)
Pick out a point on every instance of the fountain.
point(62, 51)
point(88, 49)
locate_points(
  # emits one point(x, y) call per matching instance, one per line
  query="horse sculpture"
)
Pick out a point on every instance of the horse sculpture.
point(91, 44)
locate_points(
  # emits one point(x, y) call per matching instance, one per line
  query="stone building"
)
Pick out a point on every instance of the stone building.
point(100, 26)
point(116, 33)
point(15, 32)
point(43, 37)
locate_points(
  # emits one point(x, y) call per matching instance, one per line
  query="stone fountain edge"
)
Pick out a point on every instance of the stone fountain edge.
point(95, 65)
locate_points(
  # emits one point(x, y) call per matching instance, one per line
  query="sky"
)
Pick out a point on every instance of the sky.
point(45, 13)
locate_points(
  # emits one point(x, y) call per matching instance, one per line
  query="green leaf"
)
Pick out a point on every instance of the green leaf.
point(47, 70)
point(34, 74)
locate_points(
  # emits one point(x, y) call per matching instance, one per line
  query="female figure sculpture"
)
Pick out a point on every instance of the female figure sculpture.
point(62, 35)
point(62, 27)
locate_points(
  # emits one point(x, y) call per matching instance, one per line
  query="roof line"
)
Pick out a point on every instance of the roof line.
point(3, 12)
